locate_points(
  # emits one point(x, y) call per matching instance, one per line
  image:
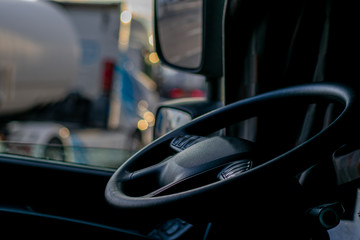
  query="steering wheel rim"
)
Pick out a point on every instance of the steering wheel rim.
point(294, 161)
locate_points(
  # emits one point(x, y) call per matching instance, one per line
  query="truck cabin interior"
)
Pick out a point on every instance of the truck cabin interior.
point(267, 46)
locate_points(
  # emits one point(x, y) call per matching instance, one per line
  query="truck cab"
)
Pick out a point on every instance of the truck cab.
point(271, 150)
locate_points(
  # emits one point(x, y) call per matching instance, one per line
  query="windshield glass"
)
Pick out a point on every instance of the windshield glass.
point(80, 80)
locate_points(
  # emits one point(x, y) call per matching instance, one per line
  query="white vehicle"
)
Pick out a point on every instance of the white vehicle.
point(36, 68)
point(62, 58)
point(54, 72)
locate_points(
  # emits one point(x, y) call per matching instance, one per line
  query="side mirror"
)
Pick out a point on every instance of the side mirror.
point(175, 113)
point(169, 119)
point(180, 32)
point(188, 35)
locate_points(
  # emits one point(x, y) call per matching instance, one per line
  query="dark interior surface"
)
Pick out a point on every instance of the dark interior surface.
point(49, 199)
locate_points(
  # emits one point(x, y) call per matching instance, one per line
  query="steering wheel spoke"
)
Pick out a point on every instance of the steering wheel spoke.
point(143, 181)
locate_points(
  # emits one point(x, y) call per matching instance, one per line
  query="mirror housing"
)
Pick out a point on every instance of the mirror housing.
point(208, 61)
point(175, 113)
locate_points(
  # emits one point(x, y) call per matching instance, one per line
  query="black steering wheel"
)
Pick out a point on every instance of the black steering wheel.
point(189, 166)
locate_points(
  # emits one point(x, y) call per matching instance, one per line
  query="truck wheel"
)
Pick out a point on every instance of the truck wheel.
point(55, 150)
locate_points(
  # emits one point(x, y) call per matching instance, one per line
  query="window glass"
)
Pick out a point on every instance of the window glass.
point(80, 81)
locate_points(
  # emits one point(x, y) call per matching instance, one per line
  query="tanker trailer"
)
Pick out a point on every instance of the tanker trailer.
point(39, 61)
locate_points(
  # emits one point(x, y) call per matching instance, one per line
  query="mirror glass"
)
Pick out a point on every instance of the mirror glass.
point(180, 27)
point(168, 119)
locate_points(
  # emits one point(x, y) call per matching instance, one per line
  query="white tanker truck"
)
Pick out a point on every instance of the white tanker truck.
point(52, 75)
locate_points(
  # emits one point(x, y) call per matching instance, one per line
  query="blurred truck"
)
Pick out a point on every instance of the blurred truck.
point(39, 54)
point(58, 64)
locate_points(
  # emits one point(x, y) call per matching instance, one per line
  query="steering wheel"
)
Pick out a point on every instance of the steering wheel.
point(188, 166)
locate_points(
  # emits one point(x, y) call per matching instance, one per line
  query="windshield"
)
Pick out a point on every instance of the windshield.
point(80, 81)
